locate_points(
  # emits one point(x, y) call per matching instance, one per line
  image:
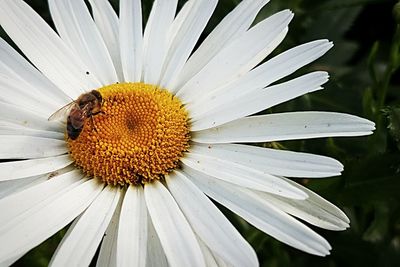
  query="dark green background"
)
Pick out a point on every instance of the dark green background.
point(364, 82)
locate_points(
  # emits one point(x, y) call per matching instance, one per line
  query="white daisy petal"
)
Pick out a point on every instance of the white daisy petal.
point(263, 215)
point(257, 101)
point(286, 63)
point(18, 93)
point(184, 33)
point(14, 65)
point(273, 161)
point(82, 239)
point(131, 39)
point(33, 196)
point(78, 30)
point(108, 250)
point(29, 204)
point(25, 147)
point(220, 262)
point(155, 253)
point(132, 231)
point(274, 69)
point(52, 216)
point(14, 129)
point(238, 57)
point(155, 39)
point(208, 256)
point(241, 175)
point(232, 26)
point(13, 186)
point(45, 49)
point(286, 126)
point(179, 20)
point(107, 22)
point(27, 118)
point(28, 168)
point(209, 224)
point(176, 236)
point(307, 211)
point(320, 203)
point(10, 187)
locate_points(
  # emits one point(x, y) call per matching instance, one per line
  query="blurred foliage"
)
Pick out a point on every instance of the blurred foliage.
point(364, 81)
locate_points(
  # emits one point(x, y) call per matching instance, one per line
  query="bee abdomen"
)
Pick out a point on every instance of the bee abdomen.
point(73, 132)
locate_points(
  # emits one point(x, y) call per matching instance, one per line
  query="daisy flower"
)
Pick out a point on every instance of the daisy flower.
point(152, 132)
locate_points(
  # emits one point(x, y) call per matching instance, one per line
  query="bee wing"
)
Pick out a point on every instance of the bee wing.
point(62, 113)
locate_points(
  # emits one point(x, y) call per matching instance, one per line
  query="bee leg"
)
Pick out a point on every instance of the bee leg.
point(100, 112)
point(103, 113)
point(93, 124)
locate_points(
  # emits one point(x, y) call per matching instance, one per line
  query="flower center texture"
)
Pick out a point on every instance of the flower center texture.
point(138, 135)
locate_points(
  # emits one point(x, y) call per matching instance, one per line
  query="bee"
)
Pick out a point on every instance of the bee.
point(86, 106)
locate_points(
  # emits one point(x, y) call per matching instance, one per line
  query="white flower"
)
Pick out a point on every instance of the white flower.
point(158, 215)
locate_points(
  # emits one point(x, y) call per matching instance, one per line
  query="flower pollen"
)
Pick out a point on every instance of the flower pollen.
point(140, 134)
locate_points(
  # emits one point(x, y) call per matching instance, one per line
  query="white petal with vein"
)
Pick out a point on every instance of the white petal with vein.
point(208, 256)
point(108, 249)
point(79, 244)
point(257, 101)
point(53, 215)
point(14, 65)
point(274, 69)
point(131, 39)
point(262, 215)
point(286, 126)
point(25, 147)
point(273, 161)
point(318, 211)
point(237, 58)
point(155, 253)
point(308, 211)
point(107, 22)
point(31, 167)
point(33, 196)
point(231, 27)
point(184, 33)
point(176, 236)
point(27, 118)
point(13, 186)
point(45, 49)
point(7, 128)
point(241, 175)
point(209, 224)
point(78, 30)
point(156, 37)
point(132, 231)
point(19, 93)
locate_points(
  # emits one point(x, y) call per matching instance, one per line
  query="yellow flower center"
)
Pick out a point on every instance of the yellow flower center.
point(139, 135)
